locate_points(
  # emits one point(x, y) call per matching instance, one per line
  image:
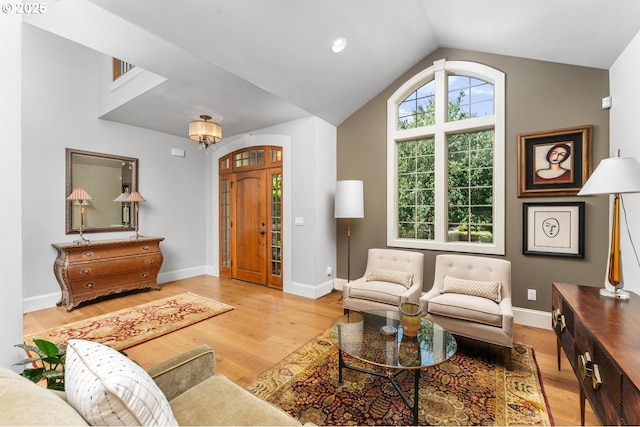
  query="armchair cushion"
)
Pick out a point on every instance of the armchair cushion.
point(108, 388)
point(489, 290)
point(466, 307)
point(392, 276)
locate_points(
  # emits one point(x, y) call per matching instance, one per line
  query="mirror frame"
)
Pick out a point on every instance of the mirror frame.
point(70, 152)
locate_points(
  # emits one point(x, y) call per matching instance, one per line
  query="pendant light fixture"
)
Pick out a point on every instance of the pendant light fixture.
point(204, 132)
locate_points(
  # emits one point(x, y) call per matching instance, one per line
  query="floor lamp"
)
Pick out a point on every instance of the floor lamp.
point(349, 203)
point(616, 175)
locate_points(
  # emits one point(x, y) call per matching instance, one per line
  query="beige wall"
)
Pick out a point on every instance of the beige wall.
point(540, 96)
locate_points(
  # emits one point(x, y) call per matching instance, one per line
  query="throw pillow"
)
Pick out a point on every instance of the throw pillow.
point(392, 276)
point(489, 290)
point(107, 388)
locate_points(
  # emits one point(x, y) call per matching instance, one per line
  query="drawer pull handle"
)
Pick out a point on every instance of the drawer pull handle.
point(145, 248)
point(87, 254)
point(595, 377)
point(85, 271)
point(144, 275)
point(148, 261)
point(587, 368)
point(89, 285)
point(557, 318)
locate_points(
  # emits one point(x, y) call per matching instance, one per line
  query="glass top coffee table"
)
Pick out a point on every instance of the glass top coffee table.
point(377, 338)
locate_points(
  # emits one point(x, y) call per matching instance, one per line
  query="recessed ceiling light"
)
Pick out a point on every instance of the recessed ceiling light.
point(338, 45)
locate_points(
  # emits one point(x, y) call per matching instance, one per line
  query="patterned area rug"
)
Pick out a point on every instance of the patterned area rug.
point(131, 326)
point(472, 388)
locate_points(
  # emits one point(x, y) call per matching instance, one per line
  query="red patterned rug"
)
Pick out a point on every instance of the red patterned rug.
point(472, 388)
point(131, 326)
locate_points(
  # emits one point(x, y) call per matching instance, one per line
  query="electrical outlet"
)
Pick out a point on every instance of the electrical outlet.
point(531, 294)
point(329, 271)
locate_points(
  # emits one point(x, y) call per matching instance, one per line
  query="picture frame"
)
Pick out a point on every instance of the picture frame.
point(554, 162)
point(553, 229)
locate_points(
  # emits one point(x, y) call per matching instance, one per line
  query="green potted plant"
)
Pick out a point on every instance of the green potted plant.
point(49, 363)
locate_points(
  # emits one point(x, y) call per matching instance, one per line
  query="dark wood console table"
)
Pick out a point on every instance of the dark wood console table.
point(86, 271)
point(601, 338)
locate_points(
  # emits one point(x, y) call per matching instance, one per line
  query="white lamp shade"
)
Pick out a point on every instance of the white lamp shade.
point(614, 175)
point(349, 199)
point(122, 197)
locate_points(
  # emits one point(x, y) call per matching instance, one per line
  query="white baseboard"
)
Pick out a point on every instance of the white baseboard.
point(534, 318)
point(185, 273)
point(308, 291)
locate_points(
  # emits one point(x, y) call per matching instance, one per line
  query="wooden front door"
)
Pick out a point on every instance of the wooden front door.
point(249, 232)
point(251, 215)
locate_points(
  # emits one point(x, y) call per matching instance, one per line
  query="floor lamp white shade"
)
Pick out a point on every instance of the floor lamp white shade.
point(349, 203)
point(616, 175)
point(349, 199)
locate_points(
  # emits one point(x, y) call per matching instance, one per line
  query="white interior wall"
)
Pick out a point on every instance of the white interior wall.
point(11, 191)
point(309, 163)
point(625, 111)
point(60, 86)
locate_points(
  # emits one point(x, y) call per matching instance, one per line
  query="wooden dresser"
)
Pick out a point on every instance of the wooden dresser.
point(90, 270)
point(601, 338)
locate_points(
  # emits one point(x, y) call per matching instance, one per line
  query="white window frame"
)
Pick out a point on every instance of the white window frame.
point(439, 72)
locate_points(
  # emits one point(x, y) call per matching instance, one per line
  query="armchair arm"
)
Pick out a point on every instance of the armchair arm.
point(424, 299)
point(507, 316)
point(412, 294)
point(180, 373)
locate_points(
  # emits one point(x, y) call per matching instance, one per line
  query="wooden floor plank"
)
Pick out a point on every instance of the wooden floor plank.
point(267, 325)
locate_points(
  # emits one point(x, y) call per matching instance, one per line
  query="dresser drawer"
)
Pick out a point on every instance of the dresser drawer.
point(118, 281)
point(89, 270)
point(107, 252)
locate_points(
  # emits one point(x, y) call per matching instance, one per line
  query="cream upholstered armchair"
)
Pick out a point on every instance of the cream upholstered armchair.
point(471, 297)
point(391, 277)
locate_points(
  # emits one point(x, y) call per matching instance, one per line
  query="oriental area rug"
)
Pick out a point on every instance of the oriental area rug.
point(472, 388)
point(134, 325)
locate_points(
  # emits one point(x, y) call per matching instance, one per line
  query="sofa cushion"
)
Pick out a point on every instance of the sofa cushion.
point(383, 292)
point(217, 401)
point(489, 290)
point(23, 402)
point(466, 307)
point(108, 388)
point(392, 276)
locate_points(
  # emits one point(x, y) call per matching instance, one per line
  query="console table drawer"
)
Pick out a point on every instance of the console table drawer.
point(91, 270)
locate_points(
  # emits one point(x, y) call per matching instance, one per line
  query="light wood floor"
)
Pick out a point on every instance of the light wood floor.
point(267, 325)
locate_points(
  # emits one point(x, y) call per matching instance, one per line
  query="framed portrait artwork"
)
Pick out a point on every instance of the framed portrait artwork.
point(555, 162)
point(553, 229)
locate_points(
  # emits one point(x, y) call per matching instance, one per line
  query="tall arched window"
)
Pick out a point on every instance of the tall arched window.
point(445, 157)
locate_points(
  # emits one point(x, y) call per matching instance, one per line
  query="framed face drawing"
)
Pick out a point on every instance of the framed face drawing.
point(555, 162)
point(553, 229)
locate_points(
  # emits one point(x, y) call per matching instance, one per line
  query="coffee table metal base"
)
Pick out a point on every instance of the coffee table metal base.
point(390, 374)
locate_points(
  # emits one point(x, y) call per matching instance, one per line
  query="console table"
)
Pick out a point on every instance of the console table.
point(86, 271)
point(601, 339)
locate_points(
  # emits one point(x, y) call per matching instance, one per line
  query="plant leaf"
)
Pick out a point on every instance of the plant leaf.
point(47, 347)
point(31, 348)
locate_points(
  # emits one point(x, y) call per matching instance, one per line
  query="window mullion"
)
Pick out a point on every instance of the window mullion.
point(440, 155)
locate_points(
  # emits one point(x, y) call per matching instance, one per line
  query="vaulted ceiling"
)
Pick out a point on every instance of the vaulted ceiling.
point(255, 63)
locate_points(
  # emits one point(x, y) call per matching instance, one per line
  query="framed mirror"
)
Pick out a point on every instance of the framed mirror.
point(105, 177)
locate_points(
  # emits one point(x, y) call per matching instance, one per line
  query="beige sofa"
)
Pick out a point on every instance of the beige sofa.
point(392, 276)
point(197, 396)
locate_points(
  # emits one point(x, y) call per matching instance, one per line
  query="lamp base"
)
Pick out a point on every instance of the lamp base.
point(617, 294)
